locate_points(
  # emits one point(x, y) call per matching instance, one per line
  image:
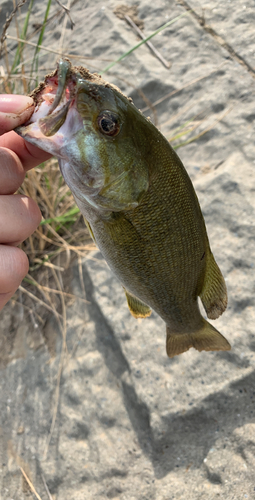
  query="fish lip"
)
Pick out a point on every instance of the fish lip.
point(49, 116)
point(65, 79)
point(56, 110)
point(63, 71)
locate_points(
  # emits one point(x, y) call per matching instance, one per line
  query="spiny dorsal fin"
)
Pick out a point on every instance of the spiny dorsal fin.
point(137, 308)
point(206, 338)
point(214, 292)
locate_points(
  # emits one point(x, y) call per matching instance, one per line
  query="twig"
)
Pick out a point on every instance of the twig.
point(67, 11)
point(60, 368)
point(49, 264)
point(42, 47)
point(15, 301)
point(46, 487)
point(59, 292)
point(204, 131)
point(30, 484)
point(149, 44)
point(8, 22)
point(61, 42)
point(55, 410)
point(135, 47)
point(22, 289)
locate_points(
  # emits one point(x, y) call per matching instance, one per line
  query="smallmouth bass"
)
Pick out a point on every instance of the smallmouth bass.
point(137, 200)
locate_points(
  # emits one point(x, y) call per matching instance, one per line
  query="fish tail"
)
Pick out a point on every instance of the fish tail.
point(207, 338)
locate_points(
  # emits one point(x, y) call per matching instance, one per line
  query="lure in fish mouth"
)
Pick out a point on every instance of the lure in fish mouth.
point(77, 119)
point(137, 200)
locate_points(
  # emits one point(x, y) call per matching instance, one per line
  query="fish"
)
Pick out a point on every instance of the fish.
point(137, 200)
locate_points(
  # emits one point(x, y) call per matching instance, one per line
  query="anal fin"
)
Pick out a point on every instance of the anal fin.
point(206, 338)
point(137, 308)
point(214, 292)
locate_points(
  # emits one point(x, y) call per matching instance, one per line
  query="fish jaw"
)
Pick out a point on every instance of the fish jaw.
point(55, 144)
point(55, 119)
point(69, 111)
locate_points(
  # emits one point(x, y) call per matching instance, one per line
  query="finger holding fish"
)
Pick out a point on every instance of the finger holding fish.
point(19, 215)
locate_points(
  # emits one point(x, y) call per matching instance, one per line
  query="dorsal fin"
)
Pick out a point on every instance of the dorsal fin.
point(214, 292)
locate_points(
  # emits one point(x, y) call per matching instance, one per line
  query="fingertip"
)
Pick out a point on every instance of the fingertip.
point(14, 266)
point(12, 171)
point(14, 110)
point(20, 264)
point(14, 103)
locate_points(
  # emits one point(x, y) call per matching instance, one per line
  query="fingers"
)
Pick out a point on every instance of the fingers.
point(23, 216)
point(15, 110)
point(19, 217)
point(29, 155)
point(11, 171)
point(14, 267)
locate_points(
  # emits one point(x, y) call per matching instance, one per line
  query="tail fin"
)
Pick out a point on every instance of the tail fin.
point(206, 338)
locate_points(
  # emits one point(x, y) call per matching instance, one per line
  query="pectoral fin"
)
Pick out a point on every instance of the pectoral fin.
point(207, 338)
point(214, 291)
point(90, 230)
point(137, 308)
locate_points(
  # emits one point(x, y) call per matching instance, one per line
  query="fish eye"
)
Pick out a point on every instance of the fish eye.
point(108, 123)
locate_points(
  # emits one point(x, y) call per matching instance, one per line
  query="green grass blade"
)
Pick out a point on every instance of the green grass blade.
point(19, 50)
point(142, 42)
point(40, 39)
point(68, 217)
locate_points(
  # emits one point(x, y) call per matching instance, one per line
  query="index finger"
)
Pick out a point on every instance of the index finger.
point(15, 110)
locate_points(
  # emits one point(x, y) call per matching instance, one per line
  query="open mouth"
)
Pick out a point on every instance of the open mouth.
point(55, 118)
point(55, 99)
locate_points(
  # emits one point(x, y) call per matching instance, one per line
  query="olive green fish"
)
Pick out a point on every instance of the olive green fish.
point(137, 200)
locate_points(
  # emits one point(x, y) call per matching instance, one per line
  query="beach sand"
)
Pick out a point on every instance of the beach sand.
point(130, 423)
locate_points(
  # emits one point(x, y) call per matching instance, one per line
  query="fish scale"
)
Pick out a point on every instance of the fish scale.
point(137, 200)
point(170, 255)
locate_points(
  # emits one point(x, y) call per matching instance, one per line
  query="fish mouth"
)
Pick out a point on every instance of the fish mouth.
point(53, 101)
point(58, 122)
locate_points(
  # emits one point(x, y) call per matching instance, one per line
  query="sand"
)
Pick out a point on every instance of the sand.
point(130, 423)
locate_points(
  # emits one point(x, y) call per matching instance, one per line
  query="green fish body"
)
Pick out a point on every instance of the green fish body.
point(137, 200)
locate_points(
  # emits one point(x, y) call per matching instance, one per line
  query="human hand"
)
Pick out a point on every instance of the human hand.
point(19, 215)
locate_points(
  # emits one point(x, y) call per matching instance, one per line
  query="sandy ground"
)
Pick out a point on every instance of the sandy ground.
point(132, 424)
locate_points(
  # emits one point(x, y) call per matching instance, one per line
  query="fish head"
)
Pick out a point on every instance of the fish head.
point(97, 134)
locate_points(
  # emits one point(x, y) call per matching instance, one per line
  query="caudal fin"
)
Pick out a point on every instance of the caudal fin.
point(206, 338)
